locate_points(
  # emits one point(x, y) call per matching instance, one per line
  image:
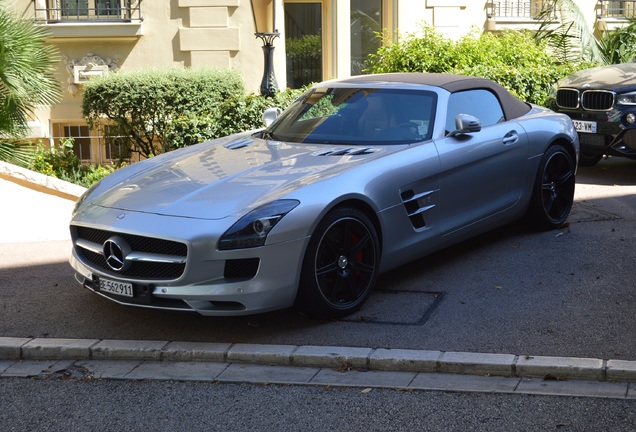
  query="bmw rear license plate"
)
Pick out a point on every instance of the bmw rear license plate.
point(584, 126)
point(114, 287)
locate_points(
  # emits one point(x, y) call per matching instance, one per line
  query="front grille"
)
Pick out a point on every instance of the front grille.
point(136, 242)
point(143, 270)
point(597, 100)
point(568, 98)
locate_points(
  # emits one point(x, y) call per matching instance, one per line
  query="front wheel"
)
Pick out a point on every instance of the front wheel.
point(340, 266)
point(553, 193)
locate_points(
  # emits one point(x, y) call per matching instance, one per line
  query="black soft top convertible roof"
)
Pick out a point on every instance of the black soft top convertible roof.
point(512, 106)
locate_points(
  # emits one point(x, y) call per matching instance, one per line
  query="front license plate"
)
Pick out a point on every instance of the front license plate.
point(120, 288)
point(584, 126)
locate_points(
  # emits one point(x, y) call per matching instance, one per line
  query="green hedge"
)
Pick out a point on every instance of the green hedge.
point(236, 114)
point(141, 105)
point(513, 59)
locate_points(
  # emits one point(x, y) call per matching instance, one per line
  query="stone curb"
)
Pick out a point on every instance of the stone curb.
point(345, 358)
point(40, 182)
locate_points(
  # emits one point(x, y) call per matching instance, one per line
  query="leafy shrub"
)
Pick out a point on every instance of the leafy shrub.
point(58, 162)
point(61, 162)
point(94, 173)
point(429, 52)
point(513, 59)
point(618, 46)
point(141, 105)
point(236, 114)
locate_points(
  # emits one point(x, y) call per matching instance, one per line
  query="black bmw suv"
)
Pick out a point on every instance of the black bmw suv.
point(602, 104)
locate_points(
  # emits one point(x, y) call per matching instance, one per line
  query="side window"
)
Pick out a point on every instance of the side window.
point(478, 103)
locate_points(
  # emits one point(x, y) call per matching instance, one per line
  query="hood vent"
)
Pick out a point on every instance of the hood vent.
point(235, 145)
point(351, 151)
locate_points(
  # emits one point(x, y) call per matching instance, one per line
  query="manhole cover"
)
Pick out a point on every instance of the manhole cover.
point(397, 307)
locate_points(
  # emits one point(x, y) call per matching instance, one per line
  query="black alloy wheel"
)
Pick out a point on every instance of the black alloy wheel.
point(340, 265)
point(553, 194)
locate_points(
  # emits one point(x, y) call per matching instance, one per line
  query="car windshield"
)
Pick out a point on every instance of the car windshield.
point(357, 116)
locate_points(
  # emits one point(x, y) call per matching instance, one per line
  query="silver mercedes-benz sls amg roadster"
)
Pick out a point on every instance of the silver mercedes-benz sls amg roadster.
point(356, 177)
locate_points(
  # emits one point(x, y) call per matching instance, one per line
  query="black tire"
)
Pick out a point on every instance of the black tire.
point(553, 193)
point(589, 159)
point(340, 265)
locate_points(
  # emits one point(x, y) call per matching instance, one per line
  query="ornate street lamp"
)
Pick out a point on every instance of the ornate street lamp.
point(264, 12)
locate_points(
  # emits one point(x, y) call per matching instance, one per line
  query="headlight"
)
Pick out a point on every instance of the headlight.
point(252, 229)
point(626, 99)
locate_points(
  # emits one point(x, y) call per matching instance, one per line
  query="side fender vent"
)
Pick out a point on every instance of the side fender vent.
point(416, 205)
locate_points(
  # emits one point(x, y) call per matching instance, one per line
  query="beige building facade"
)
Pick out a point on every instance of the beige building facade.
point(319, 39)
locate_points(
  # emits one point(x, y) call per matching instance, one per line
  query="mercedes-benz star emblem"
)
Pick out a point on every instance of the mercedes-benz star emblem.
point(115, 251)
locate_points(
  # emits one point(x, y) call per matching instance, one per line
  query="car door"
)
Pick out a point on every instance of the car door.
point(482, 172)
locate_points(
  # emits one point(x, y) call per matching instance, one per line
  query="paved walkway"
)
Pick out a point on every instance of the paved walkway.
point(28, 196)
point(35, 207)
point(83, 359)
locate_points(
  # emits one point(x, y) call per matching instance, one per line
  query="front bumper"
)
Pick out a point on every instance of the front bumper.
point(273, 287)
point(621, 144)
point(209, 284)
point(613, 137)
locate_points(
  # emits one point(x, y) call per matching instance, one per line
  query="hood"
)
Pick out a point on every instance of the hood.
point(227, 177)
point(620, 78)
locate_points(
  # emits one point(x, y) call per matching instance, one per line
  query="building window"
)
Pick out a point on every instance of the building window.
point(116, 150)
point(52, 11)
point(74, 8)
point(524, 9)
point(80, 135)
point(618, 9)
point(366, 24)
point(92, 146)
point(91, 8)
point(303, 43)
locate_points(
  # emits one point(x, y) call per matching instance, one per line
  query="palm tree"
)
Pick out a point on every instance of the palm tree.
point(26, 80)
point(571, 40)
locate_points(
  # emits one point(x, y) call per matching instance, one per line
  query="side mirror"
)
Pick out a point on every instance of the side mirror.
point(271, 114)
point(465, 123)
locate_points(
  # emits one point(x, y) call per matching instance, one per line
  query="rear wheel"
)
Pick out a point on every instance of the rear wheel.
point(340, 266)
point(553, 193)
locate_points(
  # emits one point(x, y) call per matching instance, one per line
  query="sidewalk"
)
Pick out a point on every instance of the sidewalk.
point(85, 359)
point(35, 207)
point(27, 196)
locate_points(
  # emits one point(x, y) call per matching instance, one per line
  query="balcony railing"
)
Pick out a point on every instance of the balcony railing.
point(618, 9)
point(518, 9)
point(67, 11)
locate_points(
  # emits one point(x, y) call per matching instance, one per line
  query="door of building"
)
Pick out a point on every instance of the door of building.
point(303, 43)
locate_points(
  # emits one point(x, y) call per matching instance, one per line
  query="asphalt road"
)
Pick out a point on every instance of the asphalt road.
point(111, 405)
point(568, 292)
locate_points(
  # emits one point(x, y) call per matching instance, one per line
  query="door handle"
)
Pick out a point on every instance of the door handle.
point(510, 138)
